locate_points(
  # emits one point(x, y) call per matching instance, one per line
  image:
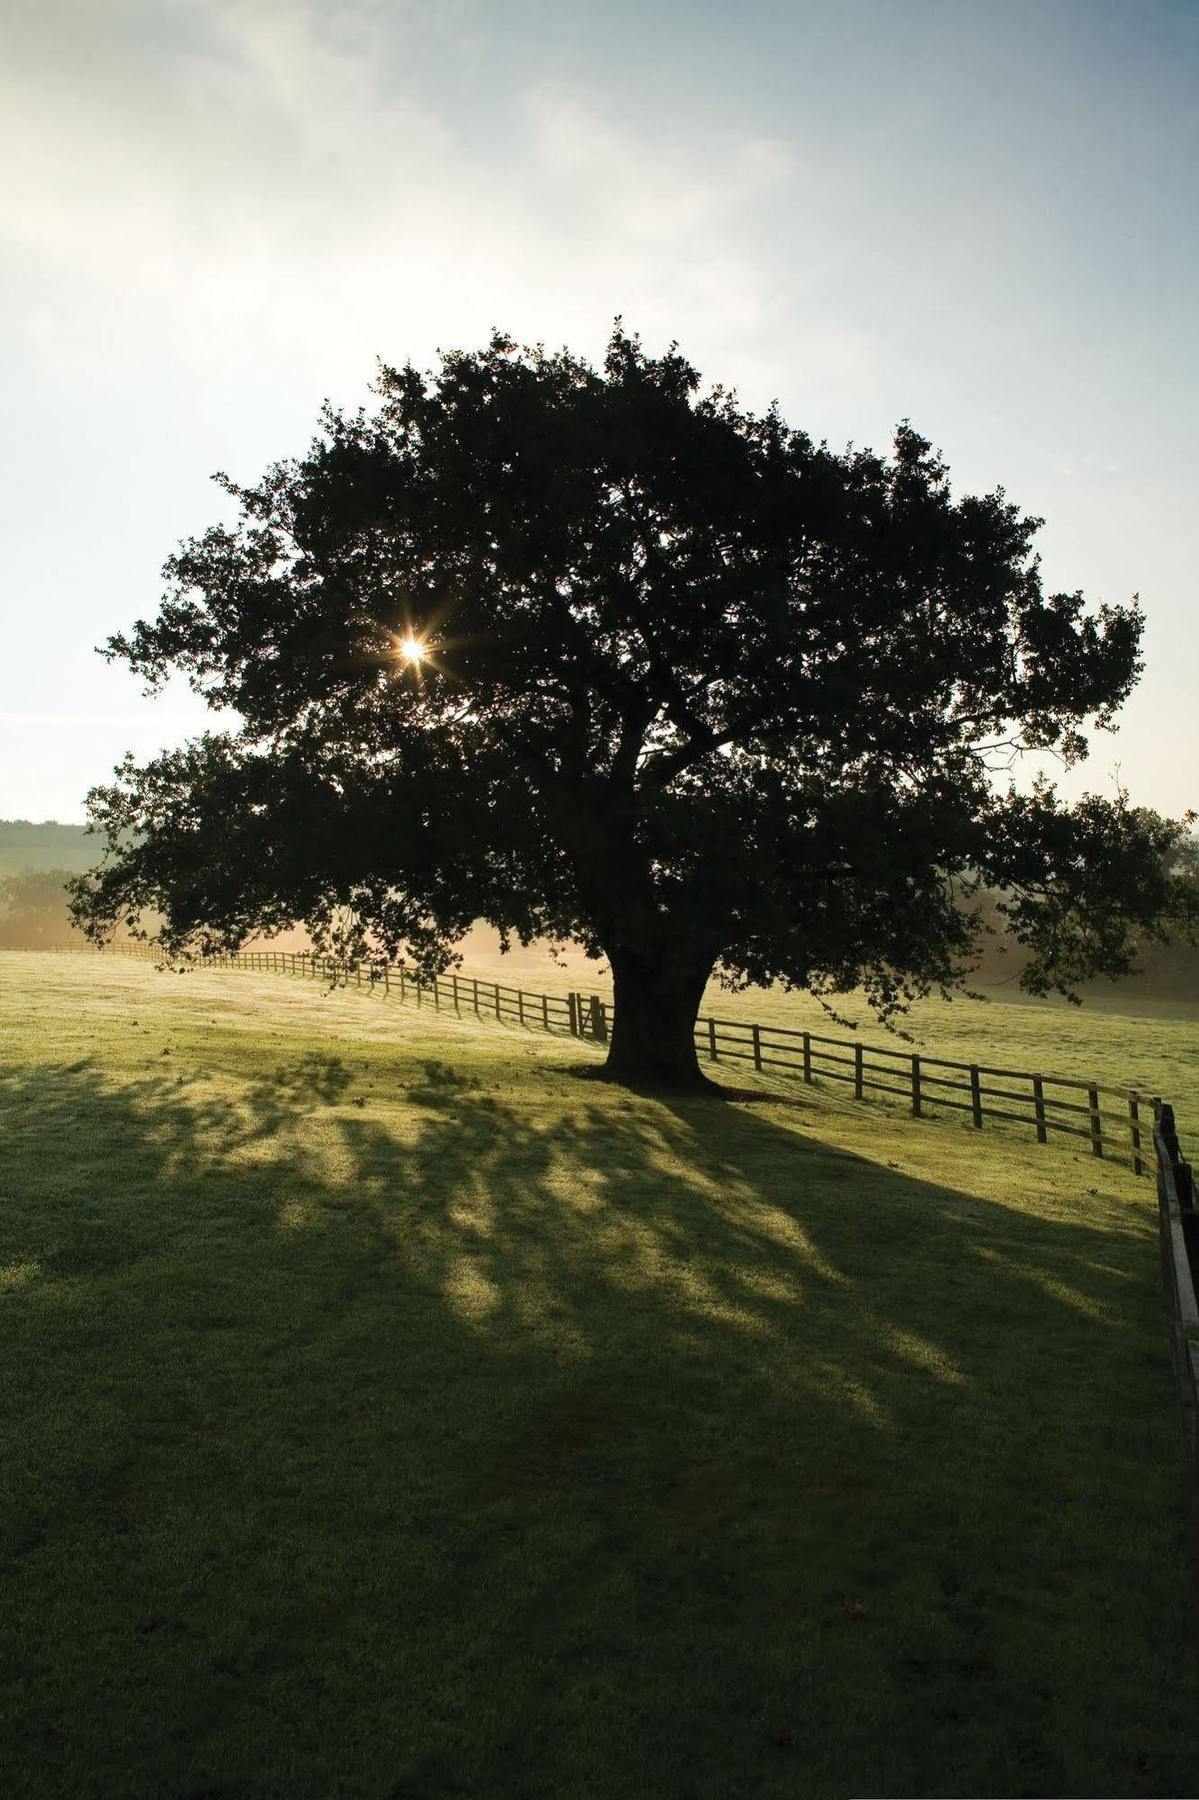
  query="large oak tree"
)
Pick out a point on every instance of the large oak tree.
point(692, 690)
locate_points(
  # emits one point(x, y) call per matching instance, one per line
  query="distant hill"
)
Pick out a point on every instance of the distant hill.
point(27, 845)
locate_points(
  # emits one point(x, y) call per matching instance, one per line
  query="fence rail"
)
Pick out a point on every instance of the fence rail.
point(1116, 1122)
point(1179, 1231)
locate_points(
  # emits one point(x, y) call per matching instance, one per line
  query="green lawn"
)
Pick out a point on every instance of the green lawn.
point(390, 1413)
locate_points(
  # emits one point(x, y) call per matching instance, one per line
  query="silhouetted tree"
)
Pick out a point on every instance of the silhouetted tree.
point(696, 692)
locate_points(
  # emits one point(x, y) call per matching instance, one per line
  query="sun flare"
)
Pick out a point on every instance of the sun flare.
point(412, 650)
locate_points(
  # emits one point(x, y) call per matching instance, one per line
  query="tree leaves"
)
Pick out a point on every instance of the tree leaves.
point(693, 684)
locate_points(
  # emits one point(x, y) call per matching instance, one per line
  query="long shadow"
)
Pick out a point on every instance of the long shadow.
point(588, 1446)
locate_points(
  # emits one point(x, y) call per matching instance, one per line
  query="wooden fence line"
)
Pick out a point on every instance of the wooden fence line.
point(1116, 1122)
point(1179, 1231)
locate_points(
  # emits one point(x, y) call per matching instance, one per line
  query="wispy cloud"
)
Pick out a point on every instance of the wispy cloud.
point(302, 175)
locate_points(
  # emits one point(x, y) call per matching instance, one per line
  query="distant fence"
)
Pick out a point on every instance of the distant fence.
point(1117, 1123)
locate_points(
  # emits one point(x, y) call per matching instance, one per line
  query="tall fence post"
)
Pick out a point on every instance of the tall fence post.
point(712, 1040)
point(1038, 1102)
point(1096, 1122)
point(915, 1087)
point(572, 1007)
point(757, 1047)
point(1134, 1132)
point(976, 1098)
point(1176, 1202)
point(858, 1085)
point(807, 1056)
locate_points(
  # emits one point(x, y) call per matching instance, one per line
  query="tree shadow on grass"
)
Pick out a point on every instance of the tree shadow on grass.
point(582, 1445)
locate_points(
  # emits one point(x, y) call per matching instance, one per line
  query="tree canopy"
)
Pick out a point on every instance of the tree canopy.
point(596, 654)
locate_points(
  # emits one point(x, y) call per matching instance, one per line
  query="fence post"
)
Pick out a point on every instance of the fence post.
point(858, 1090)
point(475, 979)
point(1134, 1131)
point(545, 1012)
point(1038, 1102)
point(436, 996)
point(757, 1047)
point(498, 1014)
point(572, 1007)
point(520, 1005)
point(1096, 1122)
point(454, 980)
point(976, 1099)
point(712, 1040)
point(599, 1020)
point(807, 1056)
point(915, 1087)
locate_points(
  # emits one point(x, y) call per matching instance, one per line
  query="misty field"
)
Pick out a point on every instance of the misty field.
point(391, 1412)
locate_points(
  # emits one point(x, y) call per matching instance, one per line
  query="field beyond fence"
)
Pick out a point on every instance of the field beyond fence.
point(1114, 1121)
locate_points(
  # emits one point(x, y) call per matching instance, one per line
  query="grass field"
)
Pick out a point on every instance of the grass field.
point(391, 1413)
point(1115, 1037)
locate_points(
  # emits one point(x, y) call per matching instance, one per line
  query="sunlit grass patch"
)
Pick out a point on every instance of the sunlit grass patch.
point(396, 1413)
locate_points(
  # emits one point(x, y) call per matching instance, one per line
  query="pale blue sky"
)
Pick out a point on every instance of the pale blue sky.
point(213, 213)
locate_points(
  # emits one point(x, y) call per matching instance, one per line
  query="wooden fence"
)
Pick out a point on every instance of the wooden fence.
point(1179, 1230)
point(1115, 1122)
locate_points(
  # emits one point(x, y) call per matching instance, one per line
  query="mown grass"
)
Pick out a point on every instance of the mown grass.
point(390, 1412)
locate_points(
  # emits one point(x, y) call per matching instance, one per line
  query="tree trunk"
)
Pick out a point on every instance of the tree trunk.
point(653, 1028)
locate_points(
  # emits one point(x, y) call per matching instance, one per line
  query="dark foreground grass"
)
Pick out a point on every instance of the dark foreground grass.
point(389, 1413)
